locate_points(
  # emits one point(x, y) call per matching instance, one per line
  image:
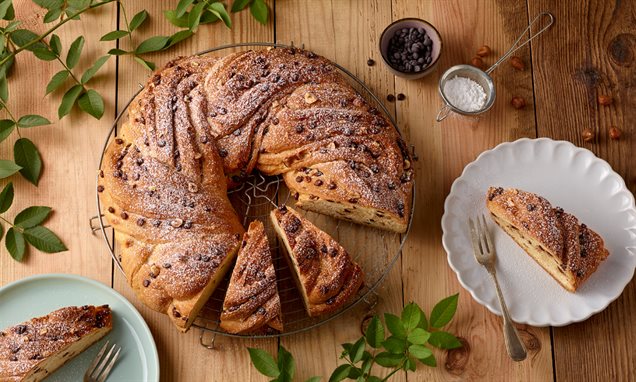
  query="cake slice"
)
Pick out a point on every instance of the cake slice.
point(32, 350)
point(568, 250)
point(324, 272)
point(252, 304)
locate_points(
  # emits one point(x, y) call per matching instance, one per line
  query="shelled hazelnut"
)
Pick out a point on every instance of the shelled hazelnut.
point(615, 133)
point(484, 51)
point(588, 135)
point(605, 99)
point(477, 62)
point(518, 102)
point(517, 63)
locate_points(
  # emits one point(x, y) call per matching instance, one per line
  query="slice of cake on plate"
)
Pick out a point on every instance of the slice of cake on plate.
point(252, 304)
point(568, 250)
point(32, 350)
point(325, 273)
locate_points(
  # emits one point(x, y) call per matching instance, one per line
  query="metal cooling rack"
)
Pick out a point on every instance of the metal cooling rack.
point(253, 200)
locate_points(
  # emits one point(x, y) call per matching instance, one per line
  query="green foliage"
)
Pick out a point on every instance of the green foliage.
point(402, 350)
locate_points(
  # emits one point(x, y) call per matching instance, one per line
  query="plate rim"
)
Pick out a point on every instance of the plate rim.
point(98, 285)
point(445, 235)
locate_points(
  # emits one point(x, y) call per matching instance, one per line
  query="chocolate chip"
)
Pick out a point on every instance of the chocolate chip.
point(333, 252)
point(212, 114)
point(205, 258)
point(332, 186)
point(222, 153)
point(20, 329)
point(141, 222)
point(330, 301)
point(299, 128)
point(293, 224)
point(124, 215)
point(119, 141)
point(237, 132)
point(323, 249)
point(370, 62)
point(401, 97)
point(299, 178)
point(318, 182)
point(390, 98)
point(13, 358)
point(222, 110)
point(161, 143)
point(111, 210)
point(295, 77)
point(156, 223)
point(175, 312)
point(187, 225)
point(100, 188)
point(530, 207)
point(374, 168)
point(352, 164)
point(353, 200)
point(283, 209)
point(391, 186)
point(117, 173)
point(261, 310)
point(274, 121)
point(167, 265)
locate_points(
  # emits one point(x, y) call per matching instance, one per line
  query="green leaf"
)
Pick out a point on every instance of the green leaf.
point(208, 17)
point(114, 35)
point(13, 25)
point(182, 6)
point(49, 4)
point(92, 103)
point(347, 349)
point(4, 89)
point(1, 231)
point(386, 359)
point(6, 197)
point(44, 54)
point(31, 216)
point(357, 350)
point(286, 365)
point(410, 364)
point(430, 361)
point(4, 8)
point(32, 120)
point(395, 345)
point(10, 13)
point(69, 100)
point(411, 316)
point(340, 373)
point(181, 21)
point(44, 239)
point(420, 351)
point(395, 325)
point(373, 378)
point(79, 4)
point(6, 127)
point(178, 37)
point(423, 322)
point(313, 379)
point(152, 44)
point(355, 373)
point(14, 241)
point(117, 52)
point(8, 168)
point(444, 340)
point(21, 37)
point(375, 333)
point(52, 15)
point(195, 16)
point(219, 10)
point(56, 44)
point(3, 42)
point(74, 52)
point(444, 311)
point(26, 155)
point(239, 5)
point(418, 336)
point(263, 362)
point(57, 80)
point(90, 72)
point(366, 365)
point(137, 20)
point(146, 64)
point(259, 11)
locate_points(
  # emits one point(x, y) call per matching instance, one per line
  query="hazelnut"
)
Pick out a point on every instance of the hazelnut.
point(310, 98)
point(518, 102)
point(192, 187)
point(484, 51)
point(588, 135)
point(176, 223)
point(517, 63)
point(605, 100)
point(477, 62)
point(615, 133)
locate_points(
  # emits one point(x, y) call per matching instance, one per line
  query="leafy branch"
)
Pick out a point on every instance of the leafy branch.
point(26, 228)
point(403, 349)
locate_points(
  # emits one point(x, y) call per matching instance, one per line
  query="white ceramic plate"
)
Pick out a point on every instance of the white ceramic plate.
point(38, 295)
point(569, 177)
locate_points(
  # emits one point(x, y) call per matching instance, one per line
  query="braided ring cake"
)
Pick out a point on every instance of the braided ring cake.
point(201, 125)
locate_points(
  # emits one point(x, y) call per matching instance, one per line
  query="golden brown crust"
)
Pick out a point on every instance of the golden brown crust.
point(26, 346)
point(201, 125)
point(577, 249)
point(251, 302)
point(327, 276)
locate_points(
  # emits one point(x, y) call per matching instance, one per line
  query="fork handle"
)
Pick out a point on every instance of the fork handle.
point(514, 345)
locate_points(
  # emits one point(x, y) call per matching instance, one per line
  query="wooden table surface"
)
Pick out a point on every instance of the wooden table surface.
point(590, 50)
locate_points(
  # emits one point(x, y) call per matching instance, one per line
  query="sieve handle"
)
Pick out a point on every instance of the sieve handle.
point(443, 113)
point(518, 44)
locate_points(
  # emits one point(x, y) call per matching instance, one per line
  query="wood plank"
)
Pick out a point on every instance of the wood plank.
point(347, 33)
point(598, 49)
point(181, 356)
point(69, 149)
point(444, 149)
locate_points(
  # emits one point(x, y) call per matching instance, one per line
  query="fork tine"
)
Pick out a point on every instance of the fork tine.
point(491, 247)
point(93, 364)
point(474, 238)
point(106, 371)
point(103, 362)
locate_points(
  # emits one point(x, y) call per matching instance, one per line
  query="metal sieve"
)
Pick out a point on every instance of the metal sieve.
point(483, 77)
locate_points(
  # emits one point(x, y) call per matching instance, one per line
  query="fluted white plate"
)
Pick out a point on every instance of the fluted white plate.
point(569, 177)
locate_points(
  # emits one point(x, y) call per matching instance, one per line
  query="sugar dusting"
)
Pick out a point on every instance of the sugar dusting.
point(465, 94)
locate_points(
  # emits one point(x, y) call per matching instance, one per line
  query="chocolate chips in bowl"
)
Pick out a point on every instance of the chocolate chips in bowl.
point(410, 47)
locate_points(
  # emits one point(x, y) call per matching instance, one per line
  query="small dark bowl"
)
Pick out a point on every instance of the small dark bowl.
point(432, 33)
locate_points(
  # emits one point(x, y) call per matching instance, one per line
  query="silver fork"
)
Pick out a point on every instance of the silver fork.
point(485, 254)
point(102, 364)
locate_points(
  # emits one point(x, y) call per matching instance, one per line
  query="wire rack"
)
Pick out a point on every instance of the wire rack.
point(374, 250)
